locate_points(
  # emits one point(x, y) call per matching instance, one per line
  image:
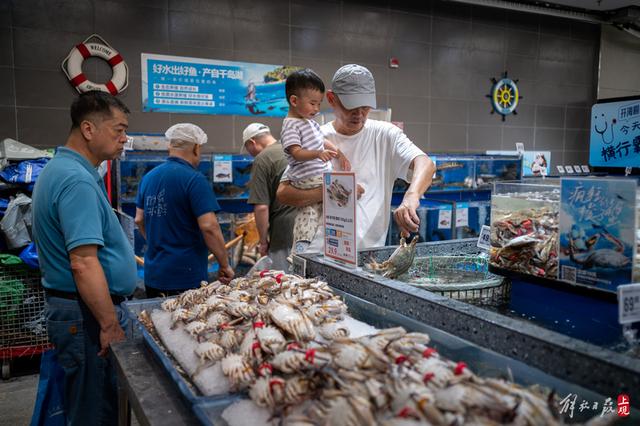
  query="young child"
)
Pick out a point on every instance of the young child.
point(307, 152)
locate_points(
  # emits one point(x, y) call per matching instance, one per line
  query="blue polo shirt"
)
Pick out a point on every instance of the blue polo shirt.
point(173, 196)
point(71, 209)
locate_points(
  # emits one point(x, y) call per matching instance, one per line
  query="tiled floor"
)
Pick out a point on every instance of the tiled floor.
point(17, 396)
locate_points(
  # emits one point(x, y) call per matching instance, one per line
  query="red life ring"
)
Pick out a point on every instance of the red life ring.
point(72, 67)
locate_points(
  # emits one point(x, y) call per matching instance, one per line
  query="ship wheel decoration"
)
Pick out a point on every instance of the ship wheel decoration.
point(504, 96)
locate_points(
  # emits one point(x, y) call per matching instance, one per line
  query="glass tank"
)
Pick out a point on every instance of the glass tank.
point(453, 172)
point(490, 169)
point(524, 227)
point(233, 183)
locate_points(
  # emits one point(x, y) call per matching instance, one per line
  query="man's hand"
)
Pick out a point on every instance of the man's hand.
point(327, 155)
point(226, 274)
point(263, 248)
point(359, 191)
point(111, 334)
point(406, 217)
point(345, 165)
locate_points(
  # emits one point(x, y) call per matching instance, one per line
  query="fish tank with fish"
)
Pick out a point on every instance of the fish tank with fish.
point(470, 217)
point(232, 182)
point(136, 164)
point(524, 227)
point(435, 222)
point(490, 169)
point(453, 173)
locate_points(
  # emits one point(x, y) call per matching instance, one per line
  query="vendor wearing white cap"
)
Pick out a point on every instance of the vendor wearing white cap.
point(176, 215)
point(379, 153)
point(273, 219)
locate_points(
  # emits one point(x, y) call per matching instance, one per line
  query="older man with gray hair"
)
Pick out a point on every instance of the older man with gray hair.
point(273, 220)
point(176, 215)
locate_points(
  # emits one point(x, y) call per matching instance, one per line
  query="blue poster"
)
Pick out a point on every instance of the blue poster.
point(204, 86)
point(615, 134)
point(597, 231)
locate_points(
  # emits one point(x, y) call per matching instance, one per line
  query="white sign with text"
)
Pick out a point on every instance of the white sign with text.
point(339, 211)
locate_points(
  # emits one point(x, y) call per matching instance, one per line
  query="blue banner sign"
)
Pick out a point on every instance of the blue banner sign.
point(615, 134)
point(204, 86)
point(597, 231)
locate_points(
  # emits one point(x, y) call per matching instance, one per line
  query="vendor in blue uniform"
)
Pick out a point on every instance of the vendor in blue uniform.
point(175, 213)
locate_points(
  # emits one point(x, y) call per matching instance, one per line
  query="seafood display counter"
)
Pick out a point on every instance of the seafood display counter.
point(577, 361)
point(333, 358)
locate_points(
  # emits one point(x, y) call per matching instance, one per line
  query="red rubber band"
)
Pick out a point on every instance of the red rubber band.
point(428, 352)
point(310, 355)
point(459, 368)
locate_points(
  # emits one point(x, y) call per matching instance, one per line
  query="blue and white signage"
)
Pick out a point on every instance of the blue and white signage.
point(205, 86)
point(615, 134)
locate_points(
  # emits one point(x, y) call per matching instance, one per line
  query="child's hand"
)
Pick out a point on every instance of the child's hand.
point(327, 155)
point(345, 165)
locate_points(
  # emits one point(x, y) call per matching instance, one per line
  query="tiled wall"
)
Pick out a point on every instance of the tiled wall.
point(447, 52)
point(619, 64)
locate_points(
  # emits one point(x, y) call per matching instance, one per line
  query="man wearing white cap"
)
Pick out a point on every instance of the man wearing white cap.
point(273, 220)
point(175, 212)
point(379, 153)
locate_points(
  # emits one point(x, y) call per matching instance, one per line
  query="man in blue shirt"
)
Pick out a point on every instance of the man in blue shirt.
point(86, 260)
point(175, 212)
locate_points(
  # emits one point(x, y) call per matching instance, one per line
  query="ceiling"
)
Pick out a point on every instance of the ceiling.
point(596, 5)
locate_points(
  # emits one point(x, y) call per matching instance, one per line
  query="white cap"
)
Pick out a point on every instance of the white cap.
point(186, 132)
point(253, 130)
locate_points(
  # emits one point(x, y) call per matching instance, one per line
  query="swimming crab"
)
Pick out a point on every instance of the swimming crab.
point(399, 262)
point(338, 193)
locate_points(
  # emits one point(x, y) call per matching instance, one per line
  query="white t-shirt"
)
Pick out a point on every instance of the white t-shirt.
point(379, 154)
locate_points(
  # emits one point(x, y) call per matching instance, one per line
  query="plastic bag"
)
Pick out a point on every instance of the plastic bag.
point(49, 407)
point(16, 222)
point(24, 172)
point(30, 256)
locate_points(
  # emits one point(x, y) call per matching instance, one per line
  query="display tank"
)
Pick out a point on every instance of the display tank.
point(524, 227)
point(492, 169)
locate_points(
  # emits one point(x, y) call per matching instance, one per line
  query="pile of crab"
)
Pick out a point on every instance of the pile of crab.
point(526, 241)
point(286, 342)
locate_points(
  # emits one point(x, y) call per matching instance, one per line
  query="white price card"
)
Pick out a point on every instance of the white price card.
point(222, 168)
point(628, 303)
point(484, 239)
point(462, 215)
point(339, 209)
point(520, 148)
point(561, 169)
point(585, 168)
point(569, 169)
point(444, 219)
point(577, 169)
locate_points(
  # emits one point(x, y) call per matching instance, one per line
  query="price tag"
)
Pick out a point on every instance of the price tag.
point(561, 169)
point(577, 169)
point(299, 266)
point(484, 239)
point(585, 169)
point(628, 303)
point(569, 169)
point(444, 219)
point(462, 217)
point(520, 148)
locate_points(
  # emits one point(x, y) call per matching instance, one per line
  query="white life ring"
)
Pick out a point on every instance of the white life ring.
point(72, 67)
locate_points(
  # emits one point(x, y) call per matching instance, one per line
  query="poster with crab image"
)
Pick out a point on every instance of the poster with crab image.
point(597, 231)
